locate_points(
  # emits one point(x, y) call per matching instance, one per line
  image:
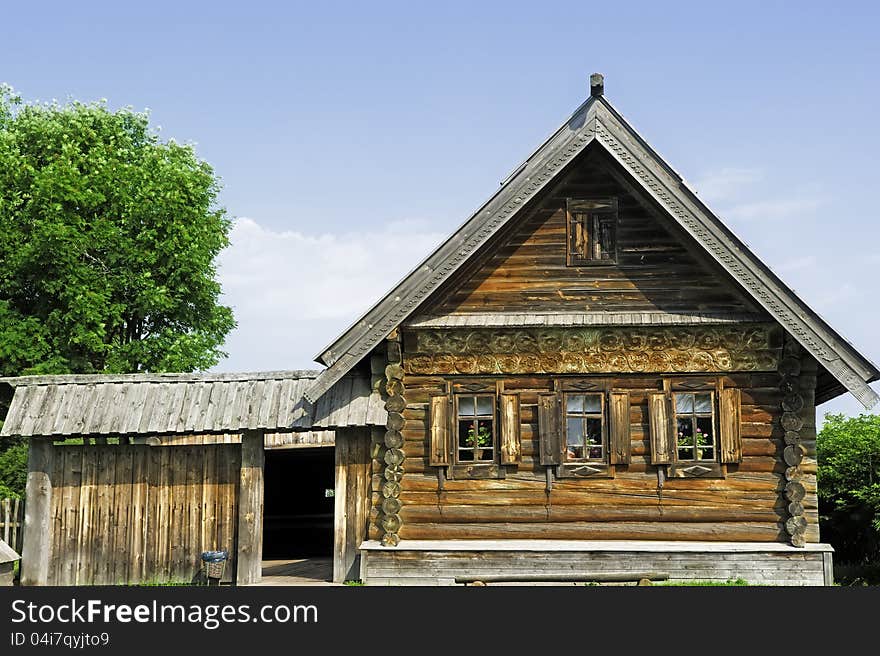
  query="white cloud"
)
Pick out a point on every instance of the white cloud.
point(727, 182)
point(773, 210)
point(293, 292)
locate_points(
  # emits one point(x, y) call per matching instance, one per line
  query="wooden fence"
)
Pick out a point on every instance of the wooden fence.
point(132, 513)
point(11, 521)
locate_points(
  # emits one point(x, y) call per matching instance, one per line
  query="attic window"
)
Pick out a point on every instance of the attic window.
point(592, 231)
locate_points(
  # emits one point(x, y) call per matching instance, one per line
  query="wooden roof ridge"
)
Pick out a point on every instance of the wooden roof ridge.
point(84, 379)
point(596, 121)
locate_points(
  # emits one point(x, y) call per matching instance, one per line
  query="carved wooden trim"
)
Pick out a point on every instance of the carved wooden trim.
point(753, 347)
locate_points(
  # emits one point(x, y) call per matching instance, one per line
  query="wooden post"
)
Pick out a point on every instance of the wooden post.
point(351, 512)
point(248, 563)
point(38, 513)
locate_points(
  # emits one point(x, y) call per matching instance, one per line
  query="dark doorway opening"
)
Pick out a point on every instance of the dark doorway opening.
point(297, 511)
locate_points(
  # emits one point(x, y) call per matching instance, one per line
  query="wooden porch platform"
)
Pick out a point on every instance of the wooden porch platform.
point(298, 571)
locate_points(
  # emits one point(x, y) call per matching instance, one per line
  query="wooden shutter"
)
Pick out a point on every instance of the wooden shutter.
point(729, 425)
point(548, 428)
point(439, 431)
point(510, 444)
point(619, 447)
point(660, 410)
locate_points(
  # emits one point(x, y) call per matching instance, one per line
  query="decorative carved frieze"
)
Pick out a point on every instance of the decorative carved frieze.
point(752, 347)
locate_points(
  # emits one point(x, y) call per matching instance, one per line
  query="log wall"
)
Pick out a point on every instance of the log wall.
point(525, 269)
point(747, 504)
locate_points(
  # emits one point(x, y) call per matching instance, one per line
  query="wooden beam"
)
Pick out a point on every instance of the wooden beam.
point(38, 513)
point(586, 577)
point(351, 512)
point(248, 565)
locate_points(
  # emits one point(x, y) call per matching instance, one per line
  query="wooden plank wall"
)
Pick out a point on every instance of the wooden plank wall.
point(526, 271)
point(746, 505)
point(133, 513)
point(11, 521)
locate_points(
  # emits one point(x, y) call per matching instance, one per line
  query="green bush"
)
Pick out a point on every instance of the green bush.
point(13, 471)
point(848, 453)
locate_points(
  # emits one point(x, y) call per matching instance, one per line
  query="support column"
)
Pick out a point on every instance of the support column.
point(351, 513)
point(249, 555)
point(37, 532)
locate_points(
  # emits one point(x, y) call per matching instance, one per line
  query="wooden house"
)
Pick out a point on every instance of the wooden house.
point(592, 379)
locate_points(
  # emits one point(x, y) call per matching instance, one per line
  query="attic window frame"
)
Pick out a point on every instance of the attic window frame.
point(593, 212)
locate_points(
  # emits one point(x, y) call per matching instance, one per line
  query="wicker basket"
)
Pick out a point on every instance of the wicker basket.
point(215, 563)
point(215, 570)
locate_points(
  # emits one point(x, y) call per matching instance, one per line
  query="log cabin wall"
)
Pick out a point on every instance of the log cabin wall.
point(656, 277)
point(747, 504)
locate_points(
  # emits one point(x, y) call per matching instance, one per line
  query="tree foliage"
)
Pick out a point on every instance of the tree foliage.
point(108, 237)
point(848, 452)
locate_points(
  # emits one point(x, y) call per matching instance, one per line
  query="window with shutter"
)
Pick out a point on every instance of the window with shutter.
point(592, 231)
point(472, 438)
point(695, 428)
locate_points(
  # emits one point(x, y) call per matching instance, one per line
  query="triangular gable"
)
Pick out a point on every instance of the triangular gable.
point(597, 122)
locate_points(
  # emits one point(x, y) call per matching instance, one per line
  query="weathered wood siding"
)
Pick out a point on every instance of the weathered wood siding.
point(745, 505)
point(443, 563)
point(525, 268)
point(133, 513)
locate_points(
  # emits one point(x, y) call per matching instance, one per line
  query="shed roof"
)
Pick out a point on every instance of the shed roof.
point(597, 124)
point(7, 553)
point(185, 404)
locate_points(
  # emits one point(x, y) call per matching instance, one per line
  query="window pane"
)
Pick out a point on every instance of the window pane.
point(703, 403)
point(574, 431)
point(466, 433)
point(574, 452)
point(685, 429)
point(704, 431)
point(706, 454)
point(574, 403)
point(685, 454)
point(485, 454)
point(465, 456)
point(465, 406)
point(595, 451)
point(594, 431)
point(592, 403)
point(484, 405)
point(684, 403)
point(484, 432)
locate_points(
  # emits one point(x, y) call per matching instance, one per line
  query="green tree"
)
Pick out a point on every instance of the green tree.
point(848, 454)
point(108, 237)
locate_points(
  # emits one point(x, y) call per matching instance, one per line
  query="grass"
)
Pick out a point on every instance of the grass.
point(728, 583)
point(352, 582)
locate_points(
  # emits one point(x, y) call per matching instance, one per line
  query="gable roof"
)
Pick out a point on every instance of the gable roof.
point(596, 122)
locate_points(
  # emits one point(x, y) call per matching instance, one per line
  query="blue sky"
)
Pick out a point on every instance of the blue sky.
point(348, 133)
